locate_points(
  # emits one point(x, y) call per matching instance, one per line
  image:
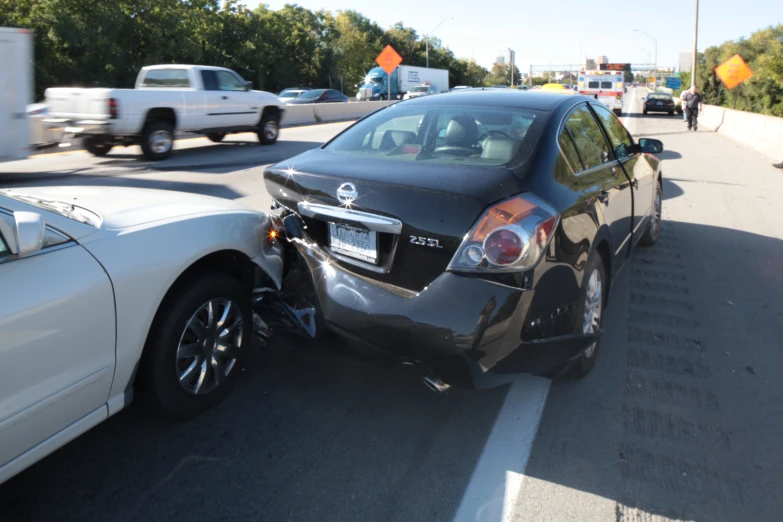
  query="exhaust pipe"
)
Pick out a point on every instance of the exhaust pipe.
point(436, 385)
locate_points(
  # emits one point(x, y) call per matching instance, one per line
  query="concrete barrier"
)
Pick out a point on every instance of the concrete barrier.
point(761, 133)
point(328, 112)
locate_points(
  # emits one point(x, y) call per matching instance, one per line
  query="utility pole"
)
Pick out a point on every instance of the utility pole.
point(427, 38)
point(511, 60)
point(695, 47)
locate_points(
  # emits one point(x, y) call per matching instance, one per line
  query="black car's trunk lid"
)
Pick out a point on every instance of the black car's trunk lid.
point(434, 206)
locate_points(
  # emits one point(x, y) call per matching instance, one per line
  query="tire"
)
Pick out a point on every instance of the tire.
point(217, 137)
point(97, 145)
point(157, 140)
point(594, 267)
point(169, 377)
point(644, 111)
point(653, 230)
point(269, 129)
point(671, 113)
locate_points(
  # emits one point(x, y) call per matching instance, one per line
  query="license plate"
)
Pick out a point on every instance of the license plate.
point(353, 242)
point(658, 103)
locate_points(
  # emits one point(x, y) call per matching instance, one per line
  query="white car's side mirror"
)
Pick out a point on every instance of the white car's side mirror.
point(30, 231)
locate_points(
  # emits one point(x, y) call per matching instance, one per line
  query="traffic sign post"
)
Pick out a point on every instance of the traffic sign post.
point(673, 83)
point(733, 71)
point(389, 59)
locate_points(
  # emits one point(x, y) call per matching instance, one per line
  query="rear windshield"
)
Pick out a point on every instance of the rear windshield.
point(450, 135)
point(659, 96)
point(420, 89)
point(166, 78)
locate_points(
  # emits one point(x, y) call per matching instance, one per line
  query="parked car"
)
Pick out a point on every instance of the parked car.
point(421, 90)
point(291, 94)
point(298, 90)
point(658, 102)
point(476, 235)
point(167, 98)
point(40, 134)
point(113, 292)
point(319, 96)
point(523, 88)
point(460, 88)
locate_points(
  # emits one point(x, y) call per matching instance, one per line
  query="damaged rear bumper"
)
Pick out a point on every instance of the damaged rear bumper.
point(465, 330)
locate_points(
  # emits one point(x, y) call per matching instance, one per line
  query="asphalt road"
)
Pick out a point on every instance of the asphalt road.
point(681, 418)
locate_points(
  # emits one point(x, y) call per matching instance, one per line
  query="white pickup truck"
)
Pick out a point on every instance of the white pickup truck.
point(167, 99)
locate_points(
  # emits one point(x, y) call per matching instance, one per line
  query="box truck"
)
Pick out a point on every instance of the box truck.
point(16, 92)
point(403, 79)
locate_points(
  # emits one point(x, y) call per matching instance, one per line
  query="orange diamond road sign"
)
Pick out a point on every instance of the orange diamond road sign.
point(389, 59)
point(733, 71)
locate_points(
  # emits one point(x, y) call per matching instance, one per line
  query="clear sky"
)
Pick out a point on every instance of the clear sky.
point(555, 30)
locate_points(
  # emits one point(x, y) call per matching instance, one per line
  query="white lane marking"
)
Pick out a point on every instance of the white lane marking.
point(500, 471)
point(627, 120)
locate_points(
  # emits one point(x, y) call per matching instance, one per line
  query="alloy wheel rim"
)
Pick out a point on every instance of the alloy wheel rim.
point(270, 130)
point(592, 311)
point(209, 346)
point(160, 141)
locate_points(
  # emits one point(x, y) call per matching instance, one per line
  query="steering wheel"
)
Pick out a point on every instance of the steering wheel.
point(453, 150)
point(494, 132)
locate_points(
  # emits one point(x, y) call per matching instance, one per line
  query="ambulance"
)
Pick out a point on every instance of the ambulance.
point(605, 86)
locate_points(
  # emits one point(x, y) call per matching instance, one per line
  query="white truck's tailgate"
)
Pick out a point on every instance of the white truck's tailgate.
point(76, 103)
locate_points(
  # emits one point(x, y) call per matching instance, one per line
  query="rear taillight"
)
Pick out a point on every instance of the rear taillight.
point(510, 236)
point(113, 109)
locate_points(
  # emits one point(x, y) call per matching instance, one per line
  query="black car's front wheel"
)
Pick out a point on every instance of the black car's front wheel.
point(653, 230)
point(590, 313)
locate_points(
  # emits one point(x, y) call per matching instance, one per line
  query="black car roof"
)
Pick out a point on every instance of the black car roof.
point(512, 98)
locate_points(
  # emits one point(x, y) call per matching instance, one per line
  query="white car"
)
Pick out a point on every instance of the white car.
point(420, 90)
point(168, 98)
point(107, 291)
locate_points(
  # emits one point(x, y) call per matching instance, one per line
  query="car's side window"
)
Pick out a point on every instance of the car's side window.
point(588, 138)
point(622, 144)
point(229, 82)
point(569, 149)
point(210, 80)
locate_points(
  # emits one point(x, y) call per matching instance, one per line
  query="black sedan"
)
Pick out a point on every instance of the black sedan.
point(319, 96)
point(658, 102)
point(473, 235)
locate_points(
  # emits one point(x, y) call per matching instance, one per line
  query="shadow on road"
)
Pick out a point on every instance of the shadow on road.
point(681, 416)
point(219, 158)
point(669, 155)
point(305, 435)
point(671, 189)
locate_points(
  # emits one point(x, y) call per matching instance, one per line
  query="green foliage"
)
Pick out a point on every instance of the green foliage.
point(763, 92)
point(105, 43)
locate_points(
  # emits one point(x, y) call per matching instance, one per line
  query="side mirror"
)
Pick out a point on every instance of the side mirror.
point(24, 234)
point(650, 145)
point(249, 86)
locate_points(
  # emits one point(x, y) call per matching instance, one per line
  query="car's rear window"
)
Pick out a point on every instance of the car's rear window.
point(656, 96)
point(166, 78)
point(451, 135)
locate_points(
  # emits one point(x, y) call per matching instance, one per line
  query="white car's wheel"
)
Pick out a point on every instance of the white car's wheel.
point(196, 345)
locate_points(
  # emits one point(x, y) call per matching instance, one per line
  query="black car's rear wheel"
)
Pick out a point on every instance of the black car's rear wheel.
point(217, 137)
point(590, 313)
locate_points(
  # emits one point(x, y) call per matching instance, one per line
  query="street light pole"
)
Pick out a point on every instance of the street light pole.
point(427, 38)
point(655, 66)
point(695, 45)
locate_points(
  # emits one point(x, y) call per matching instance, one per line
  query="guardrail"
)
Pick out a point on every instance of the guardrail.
point(761, 133)
point(328, 112)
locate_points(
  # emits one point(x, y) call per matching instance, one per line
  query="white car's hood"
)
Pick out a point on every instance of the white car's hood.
point(120, 207)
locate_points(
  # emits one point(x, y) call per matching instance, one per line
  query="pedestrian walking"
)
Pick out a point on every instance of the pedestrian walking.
point(692, 101)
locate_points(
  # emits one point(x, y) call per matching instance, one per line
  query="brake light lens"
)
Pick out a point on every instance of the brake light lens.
point(510, 236)
point(113, 108)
